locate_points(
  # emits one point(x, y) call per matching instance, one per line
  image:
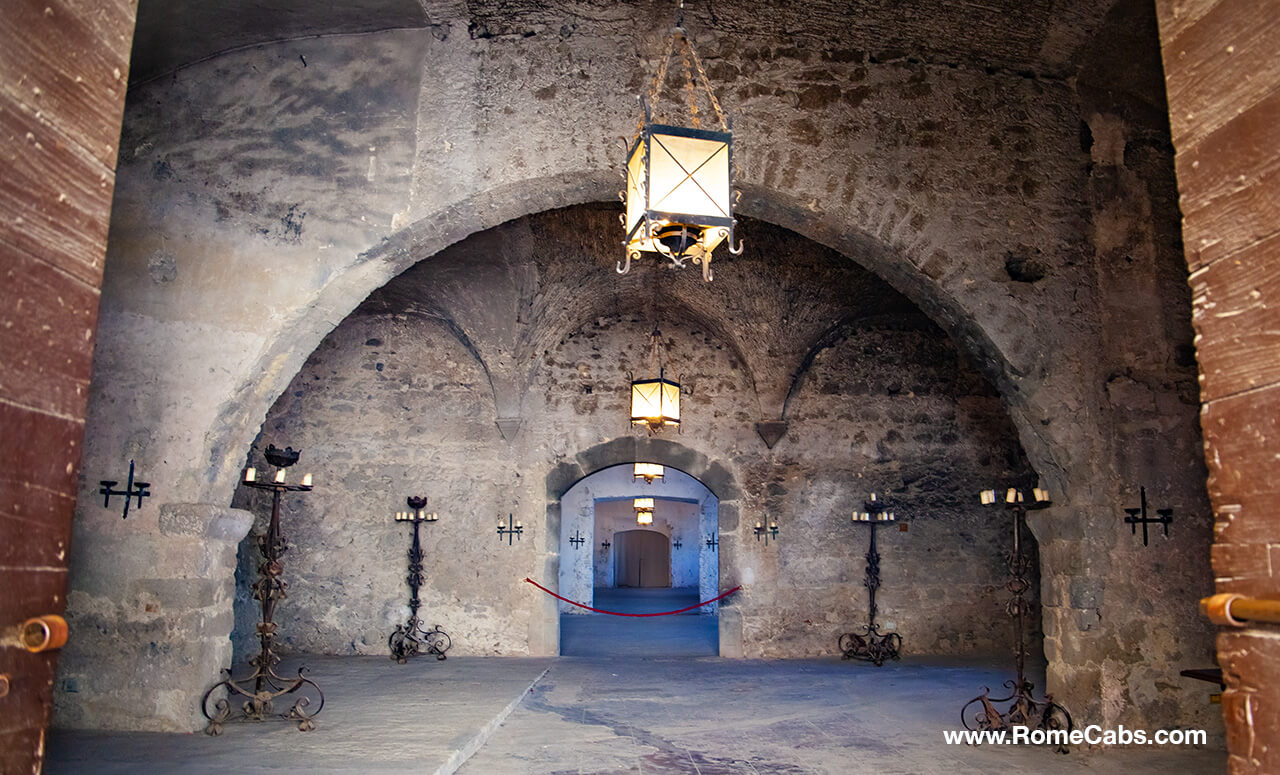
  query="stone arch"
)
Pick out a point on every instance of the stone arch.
point(239, 418)
point(713, 475)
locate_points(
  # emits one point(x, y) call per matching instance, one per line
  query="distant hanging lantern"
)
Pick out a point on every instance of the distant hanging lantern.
point(649, 472)
point(655, 402)
point(679, 196)
point(644, 511)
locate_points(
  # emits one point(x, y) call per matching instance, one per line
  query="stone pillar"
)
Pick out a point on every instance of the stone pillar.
point(178, 606)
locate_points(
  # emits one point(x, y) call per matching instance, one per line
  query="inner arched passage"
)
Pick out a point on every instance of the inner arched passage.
point(610, 562)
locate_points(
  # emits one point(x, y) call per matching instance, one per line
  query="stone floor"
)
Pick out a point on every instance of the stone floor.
point(617, 715)
point(642, 695)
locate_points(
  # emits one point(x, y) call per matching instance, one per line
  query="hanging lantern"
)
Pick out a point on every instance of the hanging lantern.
point(648, 472)
point(655, 402)
point(679, 196)
point(644, 510)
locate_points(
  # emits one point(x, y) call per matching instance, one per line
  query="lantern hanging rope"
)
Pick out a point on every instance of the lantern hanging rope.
point(679, 196)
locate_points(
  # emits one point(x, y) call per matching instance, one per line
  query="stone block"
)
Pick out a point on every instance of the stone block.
point(205, 520)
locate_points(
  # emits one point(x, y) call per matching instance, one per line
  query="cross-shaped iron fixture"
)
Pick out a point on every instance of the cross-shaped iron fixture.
point(132, 490)
point(1133, 520)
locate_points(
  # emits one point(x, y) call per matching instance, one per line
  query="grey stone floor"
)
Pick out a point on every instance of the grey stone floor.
point(755, 717)
point(617, 715)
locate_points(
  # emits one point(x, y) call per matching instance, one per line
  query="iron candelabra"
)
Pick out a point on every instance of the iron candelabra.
point(1024, 708)
point(270, 589)
point(412, 639)
point(869, 644)
point(577, 539)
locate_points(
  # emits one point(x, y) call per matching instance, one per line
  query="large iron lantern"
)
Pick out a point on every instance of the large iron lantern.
point(655, 403)
point(679, 195)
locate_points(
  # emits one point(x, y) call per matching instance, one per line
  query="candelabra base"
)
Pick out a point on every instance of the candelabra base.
point(871, 645)
point(411, 640)
point(259, 704)
point(1024, 710)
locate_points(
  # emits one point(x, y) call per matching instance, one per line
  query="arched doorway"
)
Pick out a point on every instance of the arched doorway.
point(641, 559)
point(628, 568)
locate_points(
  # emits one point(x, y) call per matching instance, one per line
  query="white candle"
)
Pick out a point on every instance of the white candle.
point(306, 480)
point(280, 476)
point(250, 475)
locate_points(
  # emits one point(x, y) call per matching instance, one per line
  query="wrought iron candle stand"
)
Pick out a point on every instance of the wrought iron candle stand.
point(1024, 709)
point(869, 644)
point(1139, 516)
point(412, 639)
point(267, 685)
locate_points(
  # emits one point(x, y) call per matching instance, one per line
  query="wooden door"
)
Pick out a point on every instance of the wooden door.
point(1223, 85)
point(63, 71)
point(642, 559)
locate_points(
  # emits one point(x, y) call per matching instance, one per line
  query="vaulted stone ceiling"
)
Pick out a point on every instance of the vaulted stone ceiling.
point(513, 292)
point(1034, 36)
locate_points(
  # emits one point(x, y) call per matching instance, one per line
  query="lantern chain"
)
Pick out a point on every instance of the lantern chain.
point(691, 62)
point(688, 81)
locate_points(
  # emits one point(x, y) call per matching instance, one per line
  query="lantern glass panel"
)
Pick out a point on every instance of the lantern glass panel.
point(646, 402)
point(644, 517)
point(689, 176)
point(635, 188)
point(645, 504)
point(670, 403)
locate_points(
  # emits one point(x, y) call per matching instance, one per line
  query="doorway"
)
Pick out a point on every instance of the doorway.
point(611, 564)
point(642, 559)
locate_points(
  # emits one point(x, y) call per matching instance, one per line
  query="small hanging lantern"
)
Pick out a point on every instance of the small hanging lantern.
point(655, 402)
point(644, 511)
point(649, 472)
point(679, 196)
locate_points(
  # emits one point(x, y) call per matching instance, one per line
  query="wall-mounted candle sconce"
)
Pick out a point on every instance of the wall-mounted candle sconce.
point(605, 545)
point(871, 645)
point(771, 531)
point(577, 540)
point(511, 529)
point(676, 544)
point(411, 639)
point(1139, 516)
point(712, 541)
point(132, 490)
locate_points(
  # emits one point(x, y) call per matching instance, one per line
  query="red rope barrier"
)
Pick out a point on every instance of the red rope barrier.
point(616, 613)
